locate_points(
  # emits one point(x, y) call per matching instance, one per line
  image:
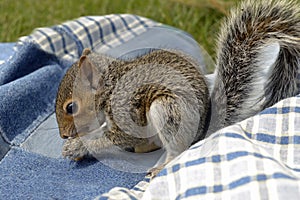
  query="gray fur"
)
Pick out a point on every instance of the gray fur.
point(250, 74)
point(159, 98)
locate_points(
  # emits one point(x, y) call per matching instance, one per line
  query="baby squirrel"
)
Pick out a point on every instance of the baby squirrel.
point(156, 100)
point(258, 57)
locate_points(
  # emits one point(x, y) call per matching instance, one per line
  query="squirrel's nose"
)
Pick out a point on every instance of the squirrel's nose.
point(64, 136)
point(68, 134)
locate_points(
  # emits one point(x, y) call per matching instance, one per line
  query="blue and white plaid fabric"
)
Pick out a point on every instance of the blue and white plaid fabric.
point(68, 40)
point(258, 158)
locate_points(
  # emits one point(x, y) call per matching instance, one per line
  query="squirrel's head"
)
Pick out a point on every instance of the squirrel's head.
point(79, 109)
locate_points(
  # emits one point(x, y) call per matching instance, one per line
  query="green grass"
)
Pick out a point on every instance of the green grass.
point(201, 18)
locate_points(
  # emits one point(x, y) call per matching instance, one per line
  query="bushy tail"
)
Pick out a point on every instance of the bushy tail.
point(257, 60)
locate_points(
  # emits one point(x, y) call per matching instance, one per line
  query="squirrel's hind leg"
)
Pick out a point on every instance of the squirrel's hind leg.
point(168, 119)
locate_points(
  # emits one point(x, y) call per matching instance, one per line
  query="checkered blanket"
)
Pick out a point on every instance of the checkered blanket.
point(257, 158)
point(68, 40)
point(254, 159)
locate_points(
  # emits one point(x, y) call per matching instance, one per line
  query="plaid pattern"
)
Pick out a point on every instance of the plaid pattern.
point(68, 40)
point(258, 158)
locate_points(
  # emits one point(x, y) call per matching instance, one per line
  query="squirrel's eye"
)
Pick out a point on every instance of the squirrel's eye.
point(72, 108)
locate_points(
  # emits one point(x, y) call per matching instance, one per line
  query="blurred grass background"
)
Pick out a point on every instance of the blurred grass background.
point(200, 18)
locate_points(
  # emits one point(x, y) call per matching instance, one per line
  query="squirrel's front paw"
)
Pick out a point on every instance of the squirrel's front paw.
point(74, 149)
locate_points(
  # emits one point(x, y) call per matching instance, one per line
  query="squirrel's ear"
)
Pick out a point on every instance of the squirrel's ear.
point(86, 52)
point(89, 73)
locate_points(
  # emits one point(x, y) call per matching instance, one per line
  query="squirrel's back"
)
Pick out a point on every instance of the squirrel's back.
point(134, 85)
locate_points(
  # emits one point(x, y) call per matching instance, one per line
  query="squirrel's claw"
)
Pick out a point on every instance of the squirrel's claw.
point(152, 173)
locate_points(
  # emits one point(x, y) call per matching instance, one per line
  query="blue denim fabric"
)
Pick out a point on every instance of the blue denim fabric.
point(25, 175)
point(7, 50)
point(29, 82)
point(4, 147)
